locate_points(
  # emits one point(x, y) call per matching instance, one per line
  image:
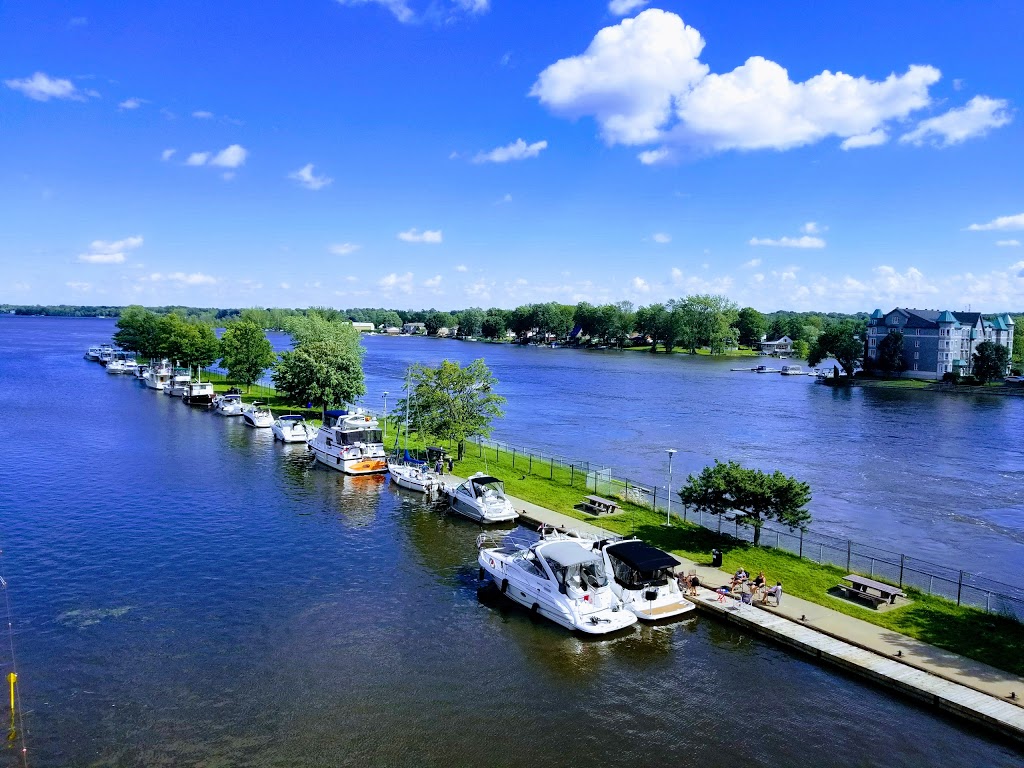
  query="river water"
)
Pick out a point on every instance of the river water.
point(185, 591)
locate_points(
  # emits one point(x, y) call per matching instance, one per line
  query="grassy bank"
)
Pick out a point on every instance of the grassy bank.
point(970, 632)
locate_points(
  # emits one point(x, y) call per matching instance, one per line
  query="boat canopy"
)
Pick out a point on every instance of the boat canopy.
point(641, 556)
point(231, 397)
point(567, 553)
point(291, 417)
point(481, 483)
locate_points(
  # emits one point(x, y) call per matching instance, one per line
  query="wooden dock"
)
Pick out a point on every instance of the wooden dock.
point(1001, 716)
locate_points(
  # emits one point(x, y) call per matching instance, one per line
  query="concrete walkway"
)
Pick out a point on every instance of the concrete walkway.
point(862, 634)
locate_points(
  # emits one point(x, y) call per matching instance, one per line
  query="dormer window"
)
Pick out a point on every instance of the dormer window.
point(895, 319)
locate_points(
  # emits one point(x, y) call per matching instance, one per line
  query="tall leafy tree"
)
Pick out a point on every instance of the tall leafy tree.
point(990, 361)
point(470, 321)
point(750, 326)
point(137, 331)
point(325, 372)
point(890, 357)
point(495, 324)
point(246, 352)
point(452, 402)
point(192, 344)
point(754, 496)
point(842, 341)
point(315, 327)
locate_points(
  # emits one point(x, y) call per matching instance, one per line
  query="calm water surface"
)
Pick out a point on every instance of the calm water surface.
point(187, 592)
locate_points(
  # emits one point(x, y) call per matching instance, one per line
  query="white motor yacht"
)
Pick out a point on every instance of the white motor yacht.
point(93, 353)
point(350, 443)
point(291, 429)
point(131, 365)
point(256, 414)
point(140, 371)
point(642, 577)
point(792, 370)
point(106, 354)
point(482, 498)
point(229, 405)
point(158, 376)
point(116, 366)
point(199, 393)
point(178, 385)
point(560, 579)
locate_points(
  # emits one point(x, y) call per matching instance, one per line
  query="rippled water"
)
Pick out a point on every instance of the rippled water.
point(187, 592)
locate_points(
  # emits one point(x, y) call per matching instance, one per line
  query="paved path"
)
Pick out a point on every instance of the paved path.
point(882, 642)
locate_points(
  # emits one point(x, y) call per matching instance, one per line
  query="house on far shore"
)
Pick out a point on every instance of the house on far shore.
point(364, 327)
point(414, 328)
point(392, 330)
point(937, 342)
point(783, 346)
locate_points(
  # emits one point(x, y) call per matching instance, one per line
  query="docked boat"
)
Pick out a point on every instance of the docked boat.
point(351, 443)
point(158, 376)
point(116, 366)
point(178, 385)
point(291, 429)
point(106, 354)
point(482, 498)
point(408, 472)
point(258, 415)
point(562, 580)
point(792, 370)
point(229, 405)
point(199, 393)
point(131, 365)
point(93, 353)
point(140, 371)
point(765, 369)
point(643, 578)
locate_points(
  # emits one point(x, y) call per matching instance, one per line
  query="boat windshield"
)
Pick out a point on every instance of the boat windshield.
point(482, 486)
point(582, 576)
point(360, 436)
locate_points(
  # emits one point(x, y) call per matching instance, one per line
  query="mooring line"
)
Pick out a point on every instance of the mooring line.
point(12, 677)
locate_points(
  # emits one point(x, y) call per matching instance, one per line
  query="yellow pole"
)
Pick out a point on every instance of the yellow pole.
point(12, 678)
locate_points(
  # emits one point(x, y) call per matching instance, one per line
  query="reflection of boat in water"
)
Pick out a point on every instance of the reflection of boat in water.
point(562, 579)
point(350, 443)
point(482, 498)
point(643, 578)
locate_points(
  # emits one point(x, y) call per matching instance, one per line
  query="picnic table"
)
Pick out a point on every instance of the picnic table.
point(599, 505)
point(870, 591)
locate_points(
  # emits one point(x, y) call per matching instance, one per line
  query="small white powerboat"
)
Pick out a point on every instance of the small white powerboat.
point(116, 366)
point(178, 385)
point(792, 370)
point(291, 429)
point(257, 415)
point(199, 393)
point(93, 353)
point(158, 376)
point(560, 579)
point(643, 578)
point(229, 405)
point(482, 498)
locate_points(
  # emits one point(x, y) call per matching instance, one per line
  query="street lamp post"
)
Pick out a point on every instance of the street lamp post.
point(385, 396)
point(668, 510)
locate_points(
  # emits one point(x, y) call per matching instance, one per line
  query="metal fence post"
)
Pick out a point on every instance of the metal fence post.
point(531, 463)
point(552, 475)
point(513, 458)
point(902, 558)
point(776, 539)
point(719, 525)
point(654, 504)
point(819, 552)
point(849, 548)
point(801, 542)
point(959, 587)
point(684, 513)
point(572, 475)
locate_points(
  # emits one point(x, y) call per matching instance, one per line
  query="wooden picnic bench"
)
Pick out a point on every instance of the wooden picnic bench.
point(599, 506)
point(870, 591)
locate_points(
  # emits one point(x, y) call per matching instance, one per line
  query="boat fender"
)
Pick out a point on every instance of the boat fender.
point(492, 562)
point(504, 586)
point(535, 609)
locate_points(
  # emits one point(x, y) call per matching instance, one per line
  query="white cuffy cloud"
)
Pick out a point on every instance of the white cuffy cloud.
point(625, 7)
point(110, 251)
point(230, 157)
point(1001, 223)
point(433, 282)
point(167, 154)
point(642, 80)
point(805, 241)
point(198, 158)
point(202, 114)
point(132, 103)
point(307, 178)
point(976, 118)
point(1008, 243)
point(41, 87)
point(517, 150)
point(344, 249)
point(182, 278)
point(661, 238)
point(415, 236)
point(395, 283)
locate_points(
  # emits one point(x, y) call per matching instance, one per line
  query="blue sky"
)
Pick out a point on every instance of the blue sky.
point(449, 153)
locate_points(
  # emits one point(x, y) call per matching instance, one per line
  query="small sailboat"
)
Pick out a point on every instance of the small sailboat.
point(406, 471)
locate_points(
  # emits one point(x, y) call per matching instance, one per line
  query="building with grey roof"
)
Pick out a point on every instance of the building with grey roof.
point(936, 342)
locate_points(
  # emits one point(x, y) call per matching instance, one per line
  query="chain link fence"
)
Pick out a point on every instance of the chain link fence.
point(959, 586)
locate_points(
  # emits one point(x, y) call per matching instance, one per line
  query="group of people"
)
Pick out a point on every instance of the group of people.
point(749, 589)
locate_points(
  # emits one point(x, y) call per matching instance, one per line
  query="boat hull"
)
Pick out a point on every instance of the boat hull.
point(362, 465)
point(422, 483)
point(549, 604)
point(474, 513)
